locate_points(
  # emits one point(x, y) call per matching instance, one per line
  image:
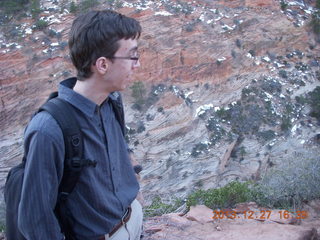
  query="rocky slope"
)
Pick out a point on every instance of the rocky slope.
point(221, 80)
point(198, 224)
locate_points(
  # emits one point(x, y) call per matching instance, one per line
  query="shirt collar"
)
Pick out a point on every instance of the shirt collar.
point(77, 100)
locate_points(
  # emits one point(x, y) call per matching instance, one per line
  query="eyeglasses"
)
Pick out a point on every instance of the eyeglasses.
point(136, 58)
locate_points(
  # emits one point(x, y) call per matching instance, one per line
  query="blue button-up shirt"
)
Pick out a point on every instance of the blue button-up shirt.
point(102, 193)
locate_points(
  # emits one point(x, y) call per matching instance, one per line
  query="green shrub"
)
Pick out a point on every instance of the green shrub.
point(160, 109)
point(198, 148)
point(138, 93)
point(118, 4)
point(286, 186)
point(225, 197)
point(158, 207)
point(314, 101)
point(283, 5)
point(283, 73)
point(13, 6)
point(267, 135)
point(73, 7)
point(315, 22)
point(141, 127)
point(85, 5)
point(41, 24)
point(35, 8)
point(286, 124)
point(137, 107)
point(189, 27)
point(301, 100)
point(290, 184)
point(318, 75)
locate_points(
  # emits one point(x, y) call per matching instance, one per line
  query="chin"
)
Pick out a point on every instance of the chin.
point(123, 87)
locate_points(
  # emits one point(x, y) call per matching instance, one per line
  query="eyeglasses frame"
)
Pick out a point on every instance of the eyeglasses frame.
point(128, 58)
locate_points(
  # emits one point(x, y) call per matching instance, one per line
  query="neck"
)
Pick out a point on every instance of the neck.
point(91, 89)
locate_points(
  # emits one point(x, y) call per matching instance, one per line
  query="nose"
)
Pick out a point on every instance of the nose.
point(136, 64)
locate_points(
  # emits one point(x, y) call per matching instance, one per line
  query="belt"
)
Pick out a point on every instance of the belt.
point(123, 221)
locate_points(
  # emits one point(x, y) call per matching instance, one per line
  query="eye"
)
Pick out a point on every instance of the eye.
point(135, 54)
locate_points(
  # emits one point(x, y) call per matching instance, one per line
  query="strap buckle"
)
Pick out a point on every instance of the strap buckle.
point(78, 163)
point(63, 196)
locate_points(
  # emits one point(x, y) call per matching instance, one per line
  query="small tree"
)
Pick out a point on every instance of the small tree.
point(41, 24)
point(12, 6)
point(315, 21)
point(73, 7)
point(283, 5)
point(138, 92)
point(314, 102)
point(35, 9)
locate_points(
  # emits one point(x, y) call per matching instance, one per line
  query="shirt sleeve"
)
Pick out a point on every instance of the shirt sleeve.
point(43, 172)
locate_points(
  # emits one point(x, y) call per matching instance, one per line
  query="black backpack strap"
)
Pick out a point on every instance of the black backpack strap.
point(64, 113)
point(118, 110)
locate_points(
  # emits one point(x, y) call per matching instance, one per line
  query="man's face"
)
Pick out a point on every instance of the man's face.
point(121, 68)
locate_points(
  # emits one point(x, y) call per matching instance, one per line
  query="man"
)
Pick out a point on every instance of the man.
point(103, 48)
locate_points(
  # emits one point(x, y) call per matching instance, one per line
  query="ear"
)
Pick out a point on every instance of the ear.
point(102, 65)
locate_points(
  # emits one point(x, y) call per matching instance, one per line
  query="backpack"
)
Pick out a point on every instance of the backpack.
point(64, 113)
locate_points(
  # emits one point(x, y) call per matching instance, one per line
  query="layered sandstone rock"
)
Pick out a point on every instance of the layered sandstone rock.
point(198, 224)
point(204, 53)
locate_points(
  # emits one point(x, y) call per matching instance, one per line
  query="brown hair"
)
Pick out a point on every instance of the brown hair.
point(96, 34)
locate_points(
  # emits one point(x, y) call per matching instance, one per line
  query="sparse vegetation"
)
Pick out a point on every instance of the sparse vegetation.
point(289, 185)
point(242, 152)
point(285, 186)
point(160, 109)
point(285, 124)
point(267, 135)
point(73, 7)
point(179, 7)
point(189, 27)
point(87, 4)
point(35, 9)
point(13, 6)
point(141, 127)
point(15, 9)
point(262, 105)
point(238, 43)
point(41, 24)
point(283, 73)
point(223, 114)
point(315, 22)
point(283, 5)
point(153, 96)
point(198, 148)
point(82, 6)
point(158, 207)
point(227, 196)
point(313, 99)
point(118, 4)
point(138, 93)
point(217, 132)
